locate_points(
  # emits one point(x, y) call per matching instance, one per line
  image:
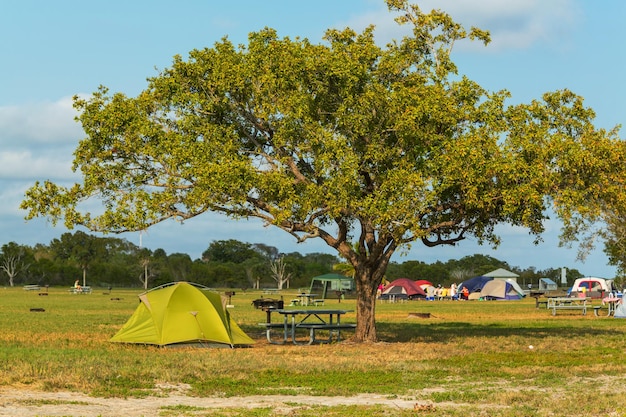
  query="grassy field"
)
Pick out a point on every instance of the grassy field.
point(467, 359)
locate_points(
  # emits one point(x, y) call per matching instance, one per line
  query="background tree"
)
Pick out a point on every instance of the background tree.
point(267, 252)
point(255, 268)
point(318, 264)
point(180, 266)
point(145, 261)
point(161, 265)
point(364, 147)
point(253, 259)
point(479, 264)
point(80, 248)
point(459, 275)
point(344, 269)
point(230, 251)
point(279, 272)
point(13, 261)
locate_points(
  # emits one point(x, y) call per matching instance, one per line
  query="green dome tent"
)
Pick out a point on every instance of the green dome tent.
point(182, 313)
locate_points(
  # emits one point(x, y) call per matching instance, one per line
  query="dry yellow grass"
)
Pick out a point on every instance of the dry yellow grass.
point(467, 357)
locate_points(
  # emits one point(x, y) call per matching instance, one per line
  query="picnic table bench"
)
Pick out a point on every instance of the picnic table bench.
point(610, 302)
point(32, 287)
point(311, 321)
point(567, 303)
point(80, 290)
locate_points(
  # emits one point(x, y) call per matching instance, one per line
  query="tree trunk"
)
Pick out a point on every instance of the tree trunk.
point(369, 271)
point(365, 307)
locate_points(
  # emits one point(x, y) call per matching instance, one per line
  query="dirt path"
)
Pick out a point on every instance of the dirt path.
point(28, 403)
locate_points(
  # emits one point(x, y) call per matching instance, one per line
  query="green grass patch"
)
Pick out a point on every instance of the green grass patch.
point(467, 357)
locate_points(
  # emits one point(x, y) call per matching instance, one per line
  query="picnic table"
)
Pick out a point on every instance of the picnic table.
point(80, 290)
point(268, 303)
point(307, 299)
point(32, 287)
point(611, 303)
point(541, 302)
point(568, 303)
point(310, 321)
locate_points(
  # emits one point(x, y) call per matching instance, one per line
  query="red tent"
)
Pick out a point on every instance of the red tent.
point(423, 283)
point(402, 288)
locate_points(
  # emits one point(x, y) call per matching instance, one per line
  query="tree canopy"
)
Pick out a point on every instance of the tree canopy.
point(368, 148)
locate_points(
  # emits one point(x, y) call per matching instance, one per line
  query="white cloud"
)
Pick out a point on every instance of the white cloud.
point(37, 140)
point(24, 164)
point(40, 123)
point(513, 24)
point(11, 194)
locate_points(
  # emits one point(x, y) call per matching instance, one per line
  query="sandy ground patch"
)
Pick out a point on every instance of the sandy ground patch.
point(15, 402)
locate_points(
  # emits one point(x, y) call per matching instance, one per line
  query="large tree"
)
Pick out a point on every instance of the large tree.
point(368, 148)
point(614, 235)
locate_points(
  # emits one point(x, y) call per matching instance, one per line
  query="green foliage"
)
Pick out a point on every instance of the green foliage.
point(121, 264)
point(230, 251)
point(117, 262)
point(615, 240)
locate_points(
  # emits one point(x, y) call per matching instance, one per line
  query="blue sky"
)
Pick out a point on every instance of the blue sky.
point(54, 50)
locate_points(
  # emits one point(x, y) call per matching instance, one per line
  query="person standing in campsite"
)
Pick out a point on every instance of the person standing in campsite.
point(430, 293)
point(453, 291)
point(444, 293)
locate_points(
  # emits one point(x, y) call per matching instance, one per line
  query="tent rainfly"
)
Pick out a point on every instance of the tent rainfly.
point(423, 283)
point(498, 289)
point(595, 287)
point(182, 313)
point(402, 288)
point(475, 284)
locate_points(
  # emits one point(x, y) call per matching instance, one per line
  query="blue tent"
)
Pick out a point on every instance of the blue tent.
point(474, 284)
point(499, 289)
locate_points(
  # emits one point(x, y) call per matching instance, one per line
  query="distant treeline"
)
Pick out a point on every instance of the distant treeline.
point(108, 261)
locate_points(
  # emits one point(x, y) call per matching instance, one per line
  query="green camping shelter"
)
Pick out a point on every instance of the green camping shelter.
point(182, 313)
point(322, 284)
